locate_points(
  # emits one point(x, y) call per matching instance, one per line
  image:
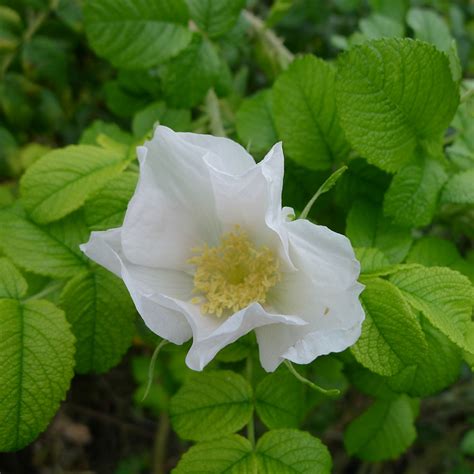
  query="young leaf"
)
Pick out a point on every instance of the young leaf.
point(367, 227)
point(231, 454)
point(459, 189)
point(136, 34)
point(391, 337)
point(389, 102)
point(279, 400)
point(382, 432)
point(210, 405)
point(191, 74)
point(254, 122)
point(412, 197)
point(304, 107)
point(61, 181)
point(215, 17)
point(106, 209)
point(101, 315)
point(47, 250)
point(444, 296)
point(12, 283)
point(36, 360)
point(292, 451)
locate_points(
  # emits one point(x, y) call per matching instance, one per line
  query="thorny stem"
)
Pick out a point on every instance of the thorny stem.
point(33, 27)
point(327, 392)
point(270, 39)
point(251, 423)
point(160, 444)
point(214, 114)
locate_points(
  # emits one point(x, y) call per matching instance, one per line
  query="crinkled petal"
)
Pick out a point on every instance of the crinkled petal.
point(225, 154)
point(211, 334)
point(173, 207)
point(147, 286)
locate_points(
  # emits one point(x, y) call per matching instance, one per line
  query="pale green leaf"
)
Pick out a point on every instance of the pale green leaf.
point(91, 134)
point(304, 108)
point(106, 209)
point(36, 366)
point(382, 432)
point(430, 27)
point(367, 227)
point(460, 188)
point(215, 17)
point(290, 452)
point(394, 96)
point(191, 74)
point(254, 122)
point(51, 250)
point(177, 119)
point(279, 400)
point(210, 405)
point(444, 296)
point(380, 26)
point(412, 197)
point(61, 180)
point(101, 315)
point(231, 454)
point(371, 260)
point(136, 34)
point(391, 337)
point(12, 283)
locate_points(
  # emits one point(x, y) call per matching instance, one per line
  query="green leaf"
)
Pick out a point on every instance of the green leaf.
point(435, 370)
point(391, 337)
point(215, 17)
point(12, 283)
point(36, 361)
point(367, 227)
point(177, 119)
point(371, 260)
point(430, 27)
point(51, 250)
point(394, 96)
point(106, 208)
point(279, 400)
point(92, 133)
point(380, 26)
point(101, 315)
point(191, 74)
point(382, 432)
point(254, 122)
point(210, 405)
point(460, 188)
point(136, 34)
point(292, 451)
point(232, 455)
point(412, 197)
point(61, 180)
point(304, 108)
point(444, 296)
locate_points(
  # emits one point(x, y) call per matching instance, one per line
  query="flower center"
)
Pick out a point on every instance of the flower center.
point(233, 274)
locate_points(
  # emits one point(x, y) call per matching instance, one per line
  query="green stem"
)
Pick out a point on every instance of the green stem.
point(467, 95)
point(251, 423)
point(160, 444)
point(327, 392)
point(270, 39)
point(151, 367)
point(47, 290)
point(214, 113)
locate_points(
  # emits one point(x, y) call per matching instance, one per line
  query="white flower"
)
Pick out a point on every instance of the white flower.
point(207, 252)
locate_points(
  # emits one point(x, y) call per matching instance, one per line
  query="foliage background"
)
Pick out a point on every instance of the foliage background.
point(66, 79)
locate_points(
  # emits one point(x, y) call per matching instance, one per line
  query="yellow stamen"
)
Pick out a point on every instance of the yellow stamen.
point(233, 274)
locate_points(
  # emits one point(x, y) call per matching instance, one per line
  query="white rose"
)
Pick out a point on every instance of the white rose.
point(207, 252)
